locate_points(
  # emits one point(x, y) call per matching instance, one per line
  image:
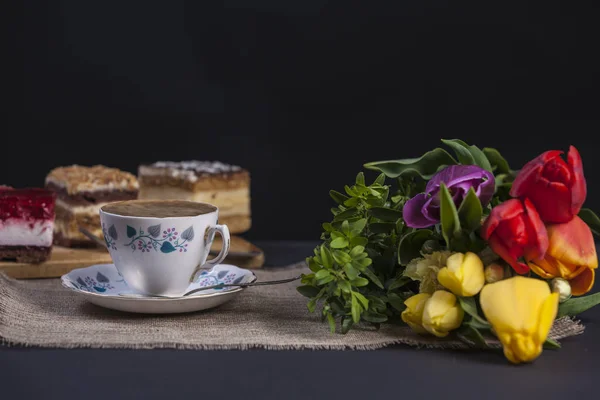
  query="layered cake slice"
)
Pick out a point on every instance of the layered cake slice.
point(26, 224)
point(81, 191)
point(224, 185)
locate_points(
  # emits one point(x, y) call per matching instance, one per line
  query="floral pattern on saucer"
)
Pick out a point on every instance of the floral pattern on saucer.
point(105, 279)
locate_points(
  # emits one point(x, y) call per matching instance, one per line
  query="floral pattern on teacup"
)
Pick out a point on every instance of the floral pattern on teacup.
point(154, 238)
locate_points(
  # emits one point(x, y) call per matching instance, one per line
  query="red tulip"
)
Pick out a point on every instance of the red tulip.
point(514, 230)
point(556, 188)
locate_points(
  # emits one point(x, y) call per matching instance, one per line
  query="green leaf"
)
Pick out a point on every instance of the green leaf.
point(551, 344)
point(356, 251)
point(380, 180)
point(131, 232)
point(469, 306)
point(472, 336)
point(577, 305)
point(341, 257)
point(360, 179)
point(385, 214)
point(322, 274)
point(461, 149)
point(374, 317)
point(358, 241)
point(327, 227)
point(346, 228)
point(372, 277)
point(358, 226)
point(498, 163)
point(591, 219)
point(356, 309)
point(345, 286)
point(361, 263)
point(346, 214)
point(312, 304)
point(468, 155)
point(167, 247)
point(339, 243)
point(409, 246)
point(351, 272)
point(312, 264)
point(362, 299)
point(470, 211)
point(448, 215)
point(308, 291)
point(382, 227)
point(399, 282)
point(359, 282)
point(331, 321)
point(396, 301)
point(325, 280)
point(424, 167)
point(326, 258)
point(338, 197)
point(346, 325)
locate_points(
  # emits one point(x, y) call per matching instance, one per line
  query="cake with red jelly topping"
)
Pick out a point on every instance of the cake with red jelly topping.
point(26, 224)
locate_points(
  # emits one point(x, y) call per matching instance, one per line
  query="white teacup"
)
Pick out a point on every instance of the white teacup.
point(162, 253)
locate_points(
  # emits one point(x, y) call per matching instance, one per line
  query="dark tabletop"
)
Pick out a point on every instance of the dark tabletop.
point(397, 372)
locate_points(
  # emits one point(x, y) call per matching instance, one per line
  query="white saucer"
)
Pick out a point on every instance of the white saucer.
point(103, 285)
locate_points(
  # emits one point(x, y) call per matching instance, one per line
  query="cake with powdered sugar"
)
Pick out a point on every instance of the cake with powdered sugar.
point(224, 185)
point(81, 191)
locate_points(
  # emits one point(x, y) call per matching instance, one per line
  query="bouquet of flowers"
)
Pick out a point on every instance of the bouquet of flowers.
point(460, 244)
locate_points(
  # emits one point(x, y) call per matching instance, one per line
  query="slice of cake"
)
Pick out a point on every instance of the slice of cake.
point(81, 191)
point(226, 186)
point(26, 224)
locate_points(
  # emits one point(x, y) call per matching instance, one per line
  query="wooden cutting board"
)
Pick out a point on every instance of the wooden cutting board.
point(242, 253)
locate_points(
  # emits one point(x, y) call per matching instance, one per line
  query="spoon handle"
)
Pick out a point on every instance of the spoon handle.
point(243, 285)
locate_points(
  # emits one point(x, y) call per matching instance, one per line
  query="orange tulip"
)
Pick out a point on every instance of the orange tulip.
point(571, 255)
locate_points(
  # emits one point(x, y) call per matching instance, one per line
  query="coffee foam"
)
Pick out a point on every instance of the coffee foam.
point(158, 208)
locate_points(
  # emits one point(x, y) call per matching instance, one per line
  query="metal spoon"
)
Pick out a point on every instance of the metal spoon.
point(219, 286)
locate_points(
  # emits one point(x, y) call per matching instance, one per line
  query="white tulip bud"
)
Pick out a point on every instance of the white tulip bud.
point(494, 273)
point(562, 287)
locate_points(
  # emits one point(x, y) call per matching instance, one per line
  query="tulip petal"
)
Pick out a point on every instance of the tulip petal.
point(513, 304)
point(558, 210)
point(547, 315)
point(503, 251)
point(578, 183)
point(583, 282)
point(413, 214)
point(507, 210)
point(448, 280)
point(573, 243)
point(545, 267)
point(537, 233)
point(530, 172)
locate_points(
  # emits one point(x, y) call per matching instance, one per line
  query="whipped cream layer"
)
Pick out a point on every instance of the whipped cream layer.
point(91, 209)
point(18, 232)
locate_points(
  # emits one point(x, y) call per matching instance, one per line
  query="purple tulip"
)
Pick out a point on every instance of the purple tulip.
point(423, 210)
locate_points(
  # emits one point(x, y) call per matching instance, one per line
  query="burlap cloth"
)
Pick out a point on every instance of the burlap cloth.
point(43, 313)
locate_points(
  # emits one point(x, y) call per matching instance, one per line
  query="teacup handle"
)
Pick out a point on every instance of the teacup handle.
point(210, 236)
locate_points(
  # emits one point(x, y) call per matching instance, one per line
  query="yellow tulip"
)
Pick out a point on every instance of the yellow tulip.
point(521, 311)
point(571, 255)
point(441, 313)
point(413, 315)
point(463, 274)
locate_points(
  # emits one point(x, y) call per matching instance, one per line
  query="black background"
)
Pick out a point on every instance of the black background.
point(301, 93)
